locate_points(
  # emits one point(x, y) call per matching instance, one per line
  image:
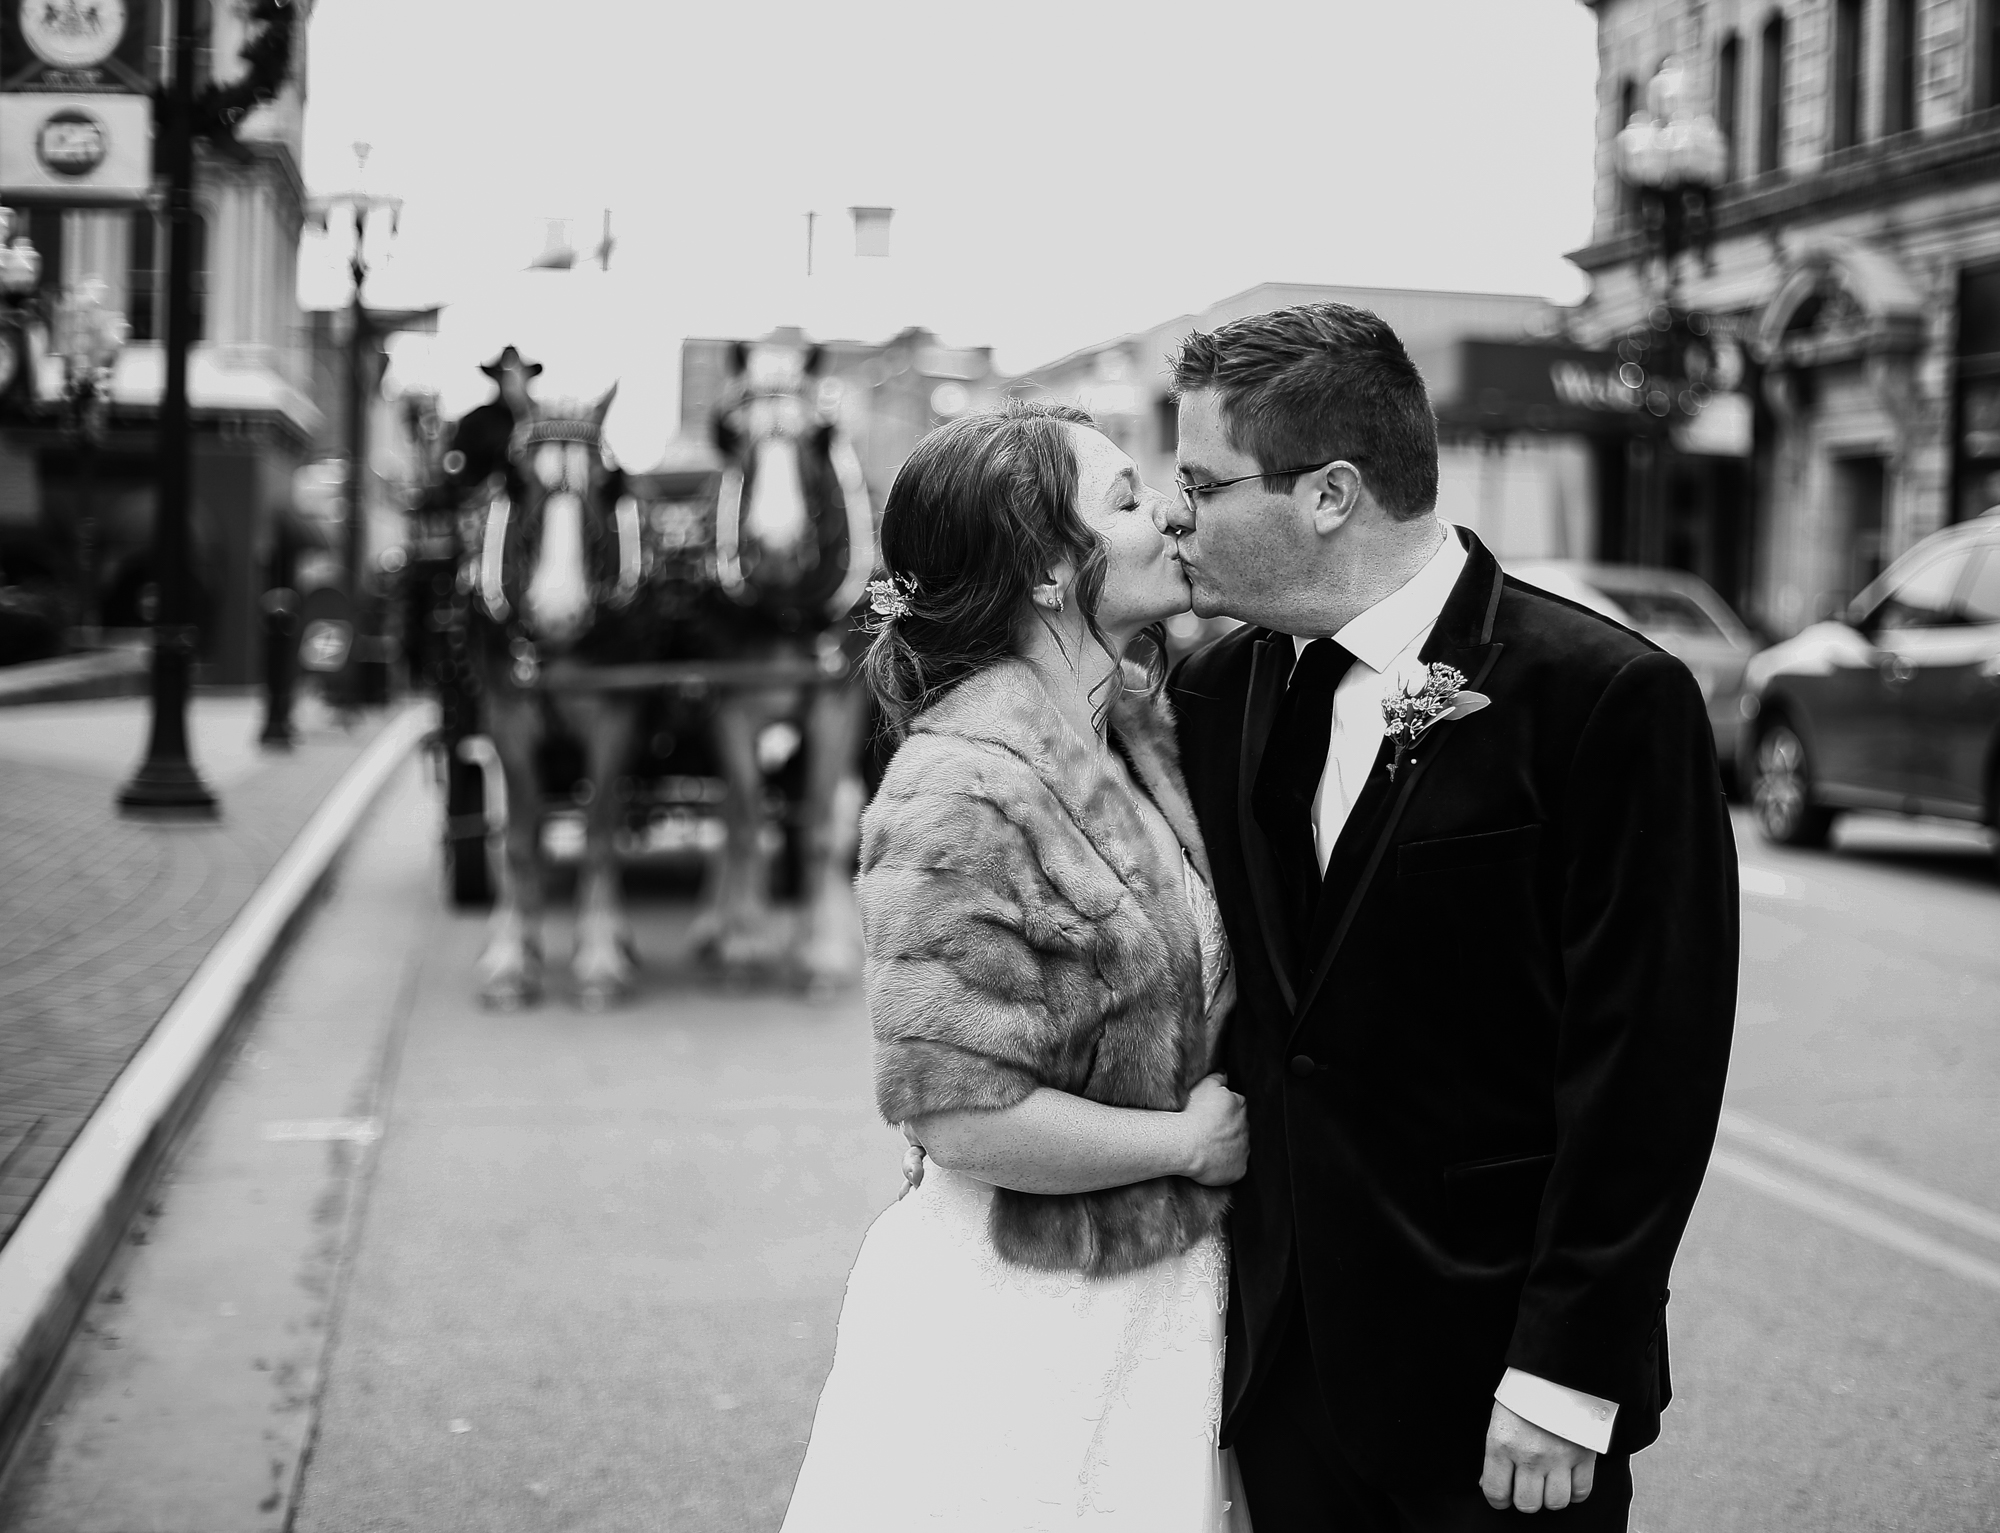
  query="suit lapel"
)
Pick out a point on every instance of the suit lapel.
point(1462, 639)
point(1270, 665)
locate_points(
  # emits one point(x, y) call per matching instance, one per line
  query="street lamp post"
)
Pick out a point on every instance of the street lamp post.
point(89, 336)
point(361, 205)
point(1674, 158)
point(167, 780)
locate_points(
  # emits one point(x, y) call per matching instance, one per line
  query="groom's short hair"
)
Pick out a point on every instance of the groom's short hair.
point(1316, 383)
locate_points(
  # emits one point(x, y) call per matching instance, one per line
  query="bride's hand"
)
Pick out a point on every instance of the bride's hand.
point(1218, 1133)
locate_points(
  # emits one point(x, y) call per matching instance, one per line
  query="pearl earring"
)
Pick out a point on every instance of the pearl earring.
point(1056, 602)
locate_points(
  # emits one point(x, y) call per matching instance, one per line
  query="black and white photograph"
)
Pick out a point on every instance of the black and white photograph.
point(872, 767)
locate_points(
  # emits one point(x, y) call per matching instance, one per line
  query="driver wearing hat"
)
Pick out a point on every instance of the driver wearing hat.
point(483, 433)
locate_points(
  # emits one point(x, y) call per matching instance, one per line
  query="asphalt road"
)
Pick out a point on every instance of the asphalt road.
point(422, 1267)
point(1836, 1316)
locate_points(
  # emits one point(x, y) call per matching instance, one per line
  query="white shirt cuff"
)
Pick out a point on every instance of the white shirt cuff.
point(1583, 1419)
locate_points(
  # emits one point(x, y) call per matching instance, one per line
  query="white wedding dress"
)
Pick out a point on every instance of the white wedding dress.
point(971, 1395)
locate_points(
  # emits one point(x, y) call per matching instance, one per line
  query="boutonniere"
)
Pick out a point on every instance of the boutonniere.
point(1409, 715)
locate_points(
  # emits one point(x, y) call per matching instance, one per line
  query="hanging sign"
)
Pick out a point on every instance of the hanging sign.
point(79, 149)
point(75, 45)
point(76, 116)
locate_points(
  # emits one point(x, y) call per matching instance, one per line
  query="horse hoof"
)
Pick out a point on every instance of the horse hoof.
point(595, 999)
point(510, 997)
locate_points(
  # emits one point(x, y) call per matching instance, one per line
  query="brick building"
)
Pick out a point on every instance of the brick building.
point(1855, 255)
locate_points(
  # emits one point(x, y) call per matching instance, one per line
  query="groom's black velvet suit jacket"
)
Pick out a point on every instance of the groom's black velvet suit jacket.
point(1482, 1101)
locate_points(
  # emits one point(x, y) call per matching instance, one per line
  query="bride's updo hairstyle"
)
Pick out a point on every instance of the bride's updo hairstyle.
point(978, 514)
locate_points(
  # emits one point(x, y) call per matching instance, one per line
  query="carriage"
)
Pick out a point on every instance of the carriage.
point(734, 722)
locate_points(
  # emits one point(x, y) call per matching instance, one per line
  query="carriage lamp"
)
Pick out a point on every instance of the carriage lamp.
point(20, 275)
point(20, 262)
point(88, 335)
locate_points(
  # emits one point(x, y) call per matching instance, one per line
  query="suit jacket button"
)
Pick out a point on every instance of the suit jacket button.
point(1302, 1065)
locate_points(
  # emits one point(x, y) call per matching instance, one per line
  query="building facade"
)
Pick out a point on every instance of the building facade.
point(1855, 256)
point(886, 395)
point(86, 528)
point(1528, 492)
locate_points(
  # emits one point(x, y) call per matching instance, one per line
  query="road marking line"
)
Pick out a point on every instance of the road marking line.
point(1857, 1220)
point(1863, 1176)
point(1764, 882)
point(321, 1130)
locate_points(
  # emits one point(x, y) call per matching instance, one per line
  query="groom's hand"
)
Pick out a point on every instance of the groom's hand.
point(1528, 1469)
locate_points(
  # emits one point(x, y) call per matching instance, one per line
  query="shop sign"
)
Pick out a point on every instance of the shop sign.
point(1540, 386)
point(81, 149)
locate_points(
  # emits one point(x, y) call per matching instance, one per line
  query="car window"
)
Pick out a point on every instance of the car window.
point(1981, 601)
point(1923, 599)
point(1667, 612)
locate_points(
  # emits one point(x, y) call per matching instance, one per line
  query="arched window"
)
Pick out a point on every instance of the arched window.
point(1728, 87)
point(1771, 75)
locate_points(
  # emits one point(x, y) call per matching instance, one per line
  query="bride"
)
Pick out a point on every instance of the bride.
point(1032, 1337)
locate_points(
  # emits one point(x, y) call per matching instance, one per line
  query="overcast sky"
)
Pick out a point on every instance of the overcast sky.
point(1061, 173)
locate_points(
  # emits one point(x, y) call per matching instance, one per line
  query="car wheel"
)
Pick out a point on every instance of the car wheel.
point(1993, 803)
point(1782, 794)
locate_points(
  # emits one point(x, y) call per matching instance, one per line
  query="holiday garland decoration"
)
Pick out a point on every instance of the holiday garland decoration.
point(267, 58)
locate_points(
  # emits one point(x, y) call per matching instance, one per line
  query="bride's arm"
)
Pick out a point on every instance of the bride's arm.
point(1050, 1141)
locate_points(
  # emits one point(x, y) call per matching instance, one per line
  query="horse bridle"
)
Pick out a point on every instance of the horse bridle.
point(493, 545)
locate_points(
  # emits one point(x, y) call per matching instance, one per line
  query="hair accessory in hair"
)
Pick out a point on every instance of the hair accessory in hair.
point(889, 597)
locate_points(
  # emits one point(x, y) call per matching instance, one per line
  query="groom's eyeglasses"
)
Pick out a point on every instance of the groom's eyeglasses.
point(1191, 493)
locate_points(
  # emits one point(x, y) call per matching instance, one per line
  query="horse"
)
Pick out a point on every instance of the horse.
point(554, 574)
point(794, 549)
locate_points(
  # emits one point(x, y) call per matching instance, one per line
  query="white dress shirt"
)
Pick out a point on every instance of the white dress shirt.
point(1385, 641)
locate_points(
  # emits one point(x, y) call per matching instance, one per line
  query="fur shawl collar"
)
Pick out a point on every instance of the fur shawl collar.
point(1023, 929)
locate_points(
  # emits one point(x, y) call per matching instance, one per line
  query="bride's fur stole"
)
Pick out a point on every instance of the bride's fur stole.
point(1023, 930)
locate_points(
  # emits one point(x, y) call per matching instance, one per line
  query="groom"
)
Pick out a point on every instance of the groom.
point(1488, 972)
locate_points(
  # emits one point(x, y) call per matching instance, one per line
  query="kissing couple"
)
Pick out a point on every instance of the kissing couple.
point(1309, 1058)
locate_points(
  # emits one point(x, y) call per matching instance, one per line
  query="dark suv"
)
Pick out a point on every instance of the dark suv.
point(1897, 708)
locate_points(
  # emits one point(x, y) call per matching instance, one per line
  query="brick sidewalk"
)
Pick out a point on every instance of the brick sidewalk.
point(104, 919)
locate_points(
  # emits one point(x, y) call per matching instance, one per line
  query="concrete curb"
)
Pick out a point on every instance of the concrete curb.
point(123, 672)
point(58, 1251)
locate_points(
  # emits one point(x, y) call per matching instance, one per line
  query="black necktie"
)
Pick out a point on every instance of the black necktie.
point(1294, 760)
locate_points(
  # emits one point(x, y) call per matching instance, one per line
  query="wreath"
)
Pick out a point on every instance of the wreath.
point(267, 58)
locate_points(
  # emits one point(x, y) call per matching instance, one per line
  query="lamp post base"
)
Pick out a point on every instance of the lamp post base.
point(166, 782)
point(168, 787)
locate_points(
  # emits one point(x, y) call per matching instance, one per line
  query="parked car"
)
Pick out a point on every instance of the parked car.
point(30, 625)
point(1677, 611)
point(1897, 707)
